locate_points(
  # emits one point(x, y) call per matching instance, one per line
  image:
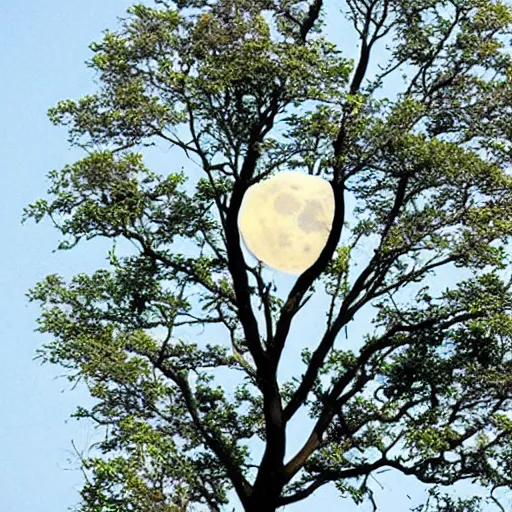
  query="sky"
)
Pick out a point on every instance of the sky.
point(43, 49)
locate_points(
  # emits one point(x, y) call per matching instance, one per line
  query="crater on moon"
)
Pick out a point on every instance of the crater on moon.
point(286, 204)
point(308, 220)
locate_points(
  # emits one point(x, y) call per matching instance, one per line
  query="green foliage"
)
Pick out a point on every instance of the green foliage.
point(246, 89)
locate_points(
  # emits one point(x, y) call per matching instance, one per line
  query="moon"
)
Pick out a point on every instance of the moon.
point(285, 220)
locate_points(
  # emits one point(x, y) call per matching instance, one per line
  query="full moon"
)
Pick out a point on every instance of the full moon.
point(285, 220)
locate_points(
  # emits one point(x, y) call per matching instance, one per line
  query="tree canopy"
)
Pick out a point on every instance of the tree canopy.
point(246, 89)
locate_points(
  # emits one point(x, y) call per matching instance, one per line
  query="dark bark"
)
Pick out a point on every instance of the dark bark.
point(262, 502)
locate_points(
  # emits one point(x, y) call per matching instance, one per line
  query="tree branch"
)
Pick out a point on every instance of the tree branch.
point(333, 401)
point(212, 440)
point(266, 376)
point(309, 22)
point(346, 313)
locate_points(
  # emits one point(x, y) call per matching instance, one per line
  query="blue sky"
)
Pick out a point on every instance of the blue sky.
point(44, 46)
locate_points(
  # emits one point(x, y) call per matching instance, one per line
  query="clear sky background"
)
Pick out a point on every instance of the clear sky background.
point(43, 46)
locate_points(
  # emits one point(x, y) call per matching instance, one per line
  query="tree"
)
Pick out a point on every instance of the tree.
point(247, 88)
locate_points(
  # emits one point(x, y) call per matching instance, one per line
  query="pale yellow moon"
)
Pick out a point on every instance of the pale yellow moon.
point(285, 220)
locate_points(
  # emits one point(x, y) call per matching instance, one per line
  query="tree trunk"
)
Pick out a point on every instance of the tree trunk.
point(266, 492)
point(261, 505)
point(264, 499)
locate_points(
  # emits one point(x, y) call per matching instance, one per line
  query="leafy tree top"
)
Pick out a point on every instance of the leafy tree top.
point(246, 89)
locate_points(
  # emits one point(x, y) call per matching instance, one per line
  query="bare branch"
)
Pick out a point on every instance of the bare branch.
point(303, 493)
